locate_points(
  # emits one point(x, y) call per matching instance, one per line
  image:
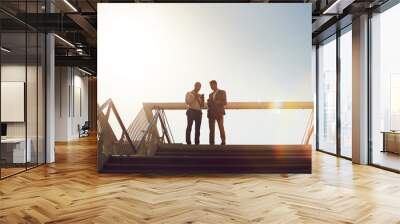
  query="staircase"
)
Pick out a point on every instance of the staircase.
point(147, 146)
point(179, 158)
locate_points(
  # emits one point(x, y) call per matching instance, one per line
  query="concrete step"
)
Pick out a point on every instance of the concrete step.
point(178, 158)
point(239, 164)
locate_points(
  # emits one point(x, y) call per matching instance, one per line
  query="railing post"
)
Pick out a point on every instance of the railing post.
point(164, 129)
point(122, 126)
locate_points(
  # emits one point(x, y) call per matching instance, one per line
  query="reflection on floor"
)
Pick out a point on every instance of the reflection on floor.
point(9, 170)
point(387, 159)
point(346, 152)
point(71, 191)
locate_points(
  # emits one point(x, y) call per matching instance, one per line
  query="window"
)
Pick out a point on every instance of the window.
point(346, 93)
point(385, 89)
point(327, 96)
point(394, 102)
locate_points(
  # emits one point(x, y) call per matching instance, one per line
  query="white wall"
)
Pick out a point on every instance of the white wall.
point(69, 84)
point(33, 127)
point(12, 73)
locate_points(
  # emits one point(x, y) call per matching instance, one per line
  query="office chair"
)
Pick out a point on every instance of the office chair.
point(84, 130)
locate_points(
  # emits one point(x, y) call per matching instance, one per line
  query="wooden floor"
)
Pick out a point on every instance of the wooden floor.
point(387, 159)
point(10, 171)
point(71, 191)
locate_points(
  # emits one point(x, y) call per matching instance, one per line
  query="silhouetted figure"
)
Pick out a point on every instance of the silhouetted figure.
point(195, 102)
point(216, 110)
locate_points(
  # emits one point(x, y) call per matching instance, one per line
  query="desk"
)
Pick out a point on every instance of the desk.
point(391, 142)
point(13, 150)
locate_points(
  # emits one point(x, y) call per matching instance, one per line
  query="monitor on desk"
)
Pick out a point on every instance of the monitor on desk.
point(3, 130)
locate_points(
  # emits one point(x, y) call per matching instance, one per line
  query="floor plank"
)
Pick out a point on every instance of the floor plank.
point(71, 191)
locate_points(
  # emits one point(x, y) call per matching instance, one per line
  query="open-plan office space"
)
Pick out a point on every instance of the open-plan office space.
point(72, 151)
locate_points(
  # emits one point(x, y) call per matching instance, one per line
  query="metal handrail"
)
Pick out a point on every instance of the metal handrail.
point(168, 126)
point(284, 105)
point(149, 132)
point(143, 134)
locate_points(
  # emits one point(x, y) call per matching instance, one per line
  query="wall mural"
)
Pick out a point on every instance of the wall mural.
point(205, 80)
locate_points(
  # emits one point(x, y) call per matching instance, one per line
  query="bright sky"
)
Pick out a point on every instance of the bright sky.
point(256, 52)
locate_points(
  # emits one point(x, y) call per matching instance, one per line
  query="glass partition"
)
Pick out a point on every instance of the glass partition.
point(327, 95)
point(14, 153)
point(31, 99)
point(22, 91)
point(385, 89)
point(346, 93)
point(41, 96)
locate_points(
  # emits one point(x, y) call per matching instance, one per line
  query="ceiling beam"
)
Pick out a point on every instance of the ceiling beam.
point(84, 24)
point(82, 61)
point(338, 6)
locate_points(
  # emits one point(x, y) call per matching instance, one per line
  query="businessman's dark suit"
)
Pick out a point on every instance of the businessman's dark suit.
point(216, 112)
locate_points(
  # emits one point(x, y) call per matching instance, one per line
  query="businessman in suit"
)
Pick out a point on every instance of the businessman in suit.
point(216, 110)
point(195, 102)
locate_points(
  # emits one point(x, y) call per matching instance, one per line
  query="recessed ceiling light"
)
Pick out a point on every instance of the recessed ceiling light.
point(70, 5)
point(5, 50)
point(64, 40)
point(84, 71)
point(337, 7)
